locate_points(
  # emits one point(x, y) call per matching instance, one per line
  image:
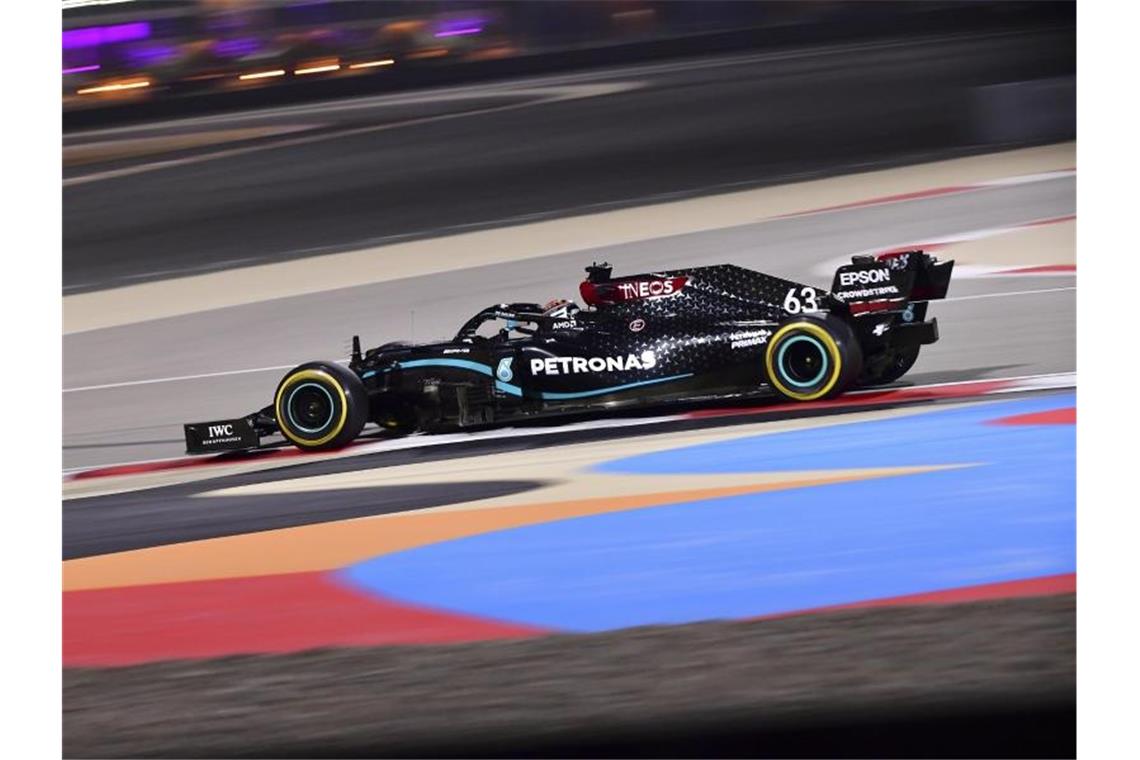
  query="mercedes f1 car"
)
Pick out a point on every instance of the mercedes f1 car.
point(711, 332)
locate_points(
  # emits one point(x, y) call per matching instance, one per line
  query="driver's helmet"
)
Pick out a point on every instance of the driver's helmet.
point(560, 308)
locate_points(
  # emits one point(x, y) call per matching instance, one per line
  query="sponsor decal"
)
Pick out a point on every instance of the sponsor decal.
point(227, 439)
point(881, 328)
point(655, 288)
point(457, 350)
point(749, 338)
point(886, 290)
point(564, 324)
point(575, 365)
point(908, 313)
point(619, 291)
point(220, 430)
point(504, 371)
point(637, 325)
point(220, 434)
point(864, 277)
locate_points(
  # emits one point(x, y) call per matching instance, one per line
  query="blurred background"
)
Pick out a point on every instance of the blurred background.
point(654, 98)
point(132, 51)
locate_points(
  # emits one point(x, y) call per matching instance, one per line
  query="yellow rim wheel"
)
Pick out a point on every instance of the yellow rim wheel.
point(328, 382)
point(829, 344)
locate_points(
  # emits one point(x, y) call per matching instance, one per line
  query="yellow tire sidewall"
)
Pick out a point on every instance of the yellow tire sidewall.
point(829, 343)
point(326, 380)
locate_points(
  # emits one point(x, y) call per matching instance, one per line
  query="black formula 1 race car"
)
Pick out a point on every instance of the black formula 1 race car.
point(686, 335)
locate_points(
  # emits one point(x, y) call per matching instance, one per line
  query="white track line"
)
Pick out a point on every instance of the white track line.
point(180, 378)
point(1023, 179)
point(979, 296)
point(1050, 381)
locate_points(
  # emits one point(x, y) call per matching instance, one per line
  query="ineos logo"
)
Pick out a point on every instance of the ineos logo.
point(650, 288)
point(637, 325)
point(220, 430)
point(864, 276)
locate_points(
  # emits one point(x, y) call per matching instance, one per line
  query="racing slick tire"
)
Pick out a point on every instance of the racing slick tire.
point(320, 406)
point(812, 358)
point(884, 369)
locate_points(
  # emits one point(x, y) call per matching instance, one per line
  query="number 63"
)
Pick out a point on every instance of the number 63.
point(805, 302)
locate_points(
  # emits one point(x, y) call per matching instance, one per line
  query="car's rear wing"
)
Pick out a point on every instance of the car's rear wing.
point(890, 281)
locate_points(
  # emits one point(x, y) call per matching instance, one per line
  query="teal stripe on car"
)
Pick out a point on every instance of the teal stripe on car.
point(482, 369)
point(612, 389)
point(515, 390)
point(512, 390)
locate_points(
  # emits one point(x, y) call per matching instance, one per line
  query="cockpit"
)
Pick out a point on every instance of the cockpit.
point(505, 322)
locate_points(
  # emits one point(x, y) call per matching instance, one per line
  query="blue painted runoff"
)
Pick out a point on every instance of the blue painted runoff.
point(1009, 515)
point(935, 437)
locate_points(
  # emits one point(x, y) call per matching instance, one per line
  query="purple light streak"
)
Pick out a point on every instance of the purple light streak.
point(93, 36)
point(79, 69)
point(460, 31)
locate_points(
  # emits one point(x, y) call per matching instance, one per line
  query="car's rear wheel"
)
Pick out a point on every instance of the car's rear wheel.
point(812, 358)
point(320, 406)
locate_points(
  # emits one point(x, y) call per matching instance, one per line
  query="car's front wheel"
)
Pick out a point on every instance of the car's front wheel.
point(812, 358)
point(320, 406)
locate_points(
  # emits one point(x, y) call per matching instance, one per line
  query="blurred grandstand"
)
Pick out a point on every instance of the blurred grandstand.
point(118, 52)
